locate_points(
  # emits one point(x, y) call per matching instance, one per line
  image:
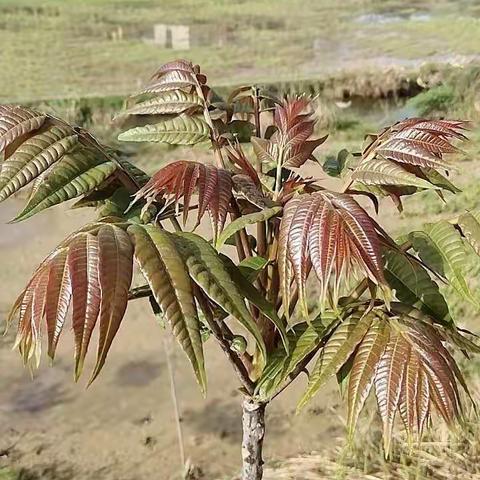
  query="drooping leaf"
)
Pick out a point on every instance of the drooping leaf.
point(413, 284)
point(208, 270)
point(244, 221)
point(403, 354)
point(379, 171)
point(284, 264)
point(336, 352)
point(335, 234)
point(77, 174)
point(441, 370)
point(16, 121)
point(167, 275)
point(363, 369)
point(60, 161)
point(92, 270)
point(388, 383)
point(179, 130)
point(59, 297)
point(115, 268)
point(442, 249)
point(439, 180)
point(33, 157)
point(410, 153)
point(470, 226)
point(83, 263)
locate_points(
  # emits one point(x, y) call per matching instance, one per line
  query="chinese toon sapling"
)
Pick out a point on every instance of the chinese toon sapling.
point(377, 319)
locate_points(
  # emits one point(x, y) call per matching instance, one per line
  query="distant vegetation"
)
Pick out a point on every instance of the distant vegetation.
point(103, 48)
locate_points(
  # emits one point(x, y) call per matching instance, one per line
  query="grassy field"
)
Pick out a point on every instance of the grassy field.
point(62, 49)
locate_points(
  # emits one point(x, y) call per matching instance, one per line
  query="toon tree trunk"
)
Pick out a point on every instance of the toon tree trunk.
point(253, 420)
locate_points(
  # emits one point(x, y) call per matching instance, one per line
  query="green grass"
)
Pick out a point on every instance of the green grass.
point(7, 474)
point(60, 49)
point(438, 99)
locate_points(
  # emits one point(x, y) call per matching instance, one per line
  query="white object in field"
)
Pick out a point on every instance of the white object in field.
point(176, 37)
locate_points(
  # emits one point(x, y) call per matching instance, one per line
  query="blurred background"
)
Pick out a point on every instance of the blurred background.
point(369, 63)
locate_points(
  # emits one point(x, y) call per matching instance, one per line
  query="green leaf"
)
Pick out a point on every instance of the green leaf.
point(442, 249)
point(167, 275)
point(209, 272)
point(305, 344)
point(180, 130)
point(242, 130)
point(334, 166)
point(379, 171)
point(76, 174)
point(413, 285)
point(139, 175)
point(436, 178)
point(469, 223)
point(254, 296)
point(336, 352)
point(170, 102)
point(243, 221)
point(272, 375)
point(117, 204)
point(250, 267)
point(33, 157)
point(266, 151)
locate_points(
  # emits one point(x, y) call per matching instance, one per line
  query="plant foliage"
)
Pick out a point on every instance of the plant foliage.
point(378, 321)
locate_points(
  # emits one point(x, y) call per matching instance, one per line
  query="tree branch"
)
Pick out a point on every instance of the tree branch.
point(221, 331)
point(139, 292)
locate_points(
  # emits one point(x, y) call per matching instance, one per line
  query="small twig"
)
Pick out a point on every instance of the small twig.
point(139, 292)
point(235, 360)
point(261, 226)
point(176, 224)
point(358, 291)
point(173, 391)
point(224, 335)
point(242, 234)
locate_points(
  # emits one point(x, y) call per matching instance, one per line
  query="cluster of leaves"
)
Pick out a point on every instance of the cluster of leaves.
point(92, 270)
point(380, 319)
point(60, 161)
point(408, 157)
